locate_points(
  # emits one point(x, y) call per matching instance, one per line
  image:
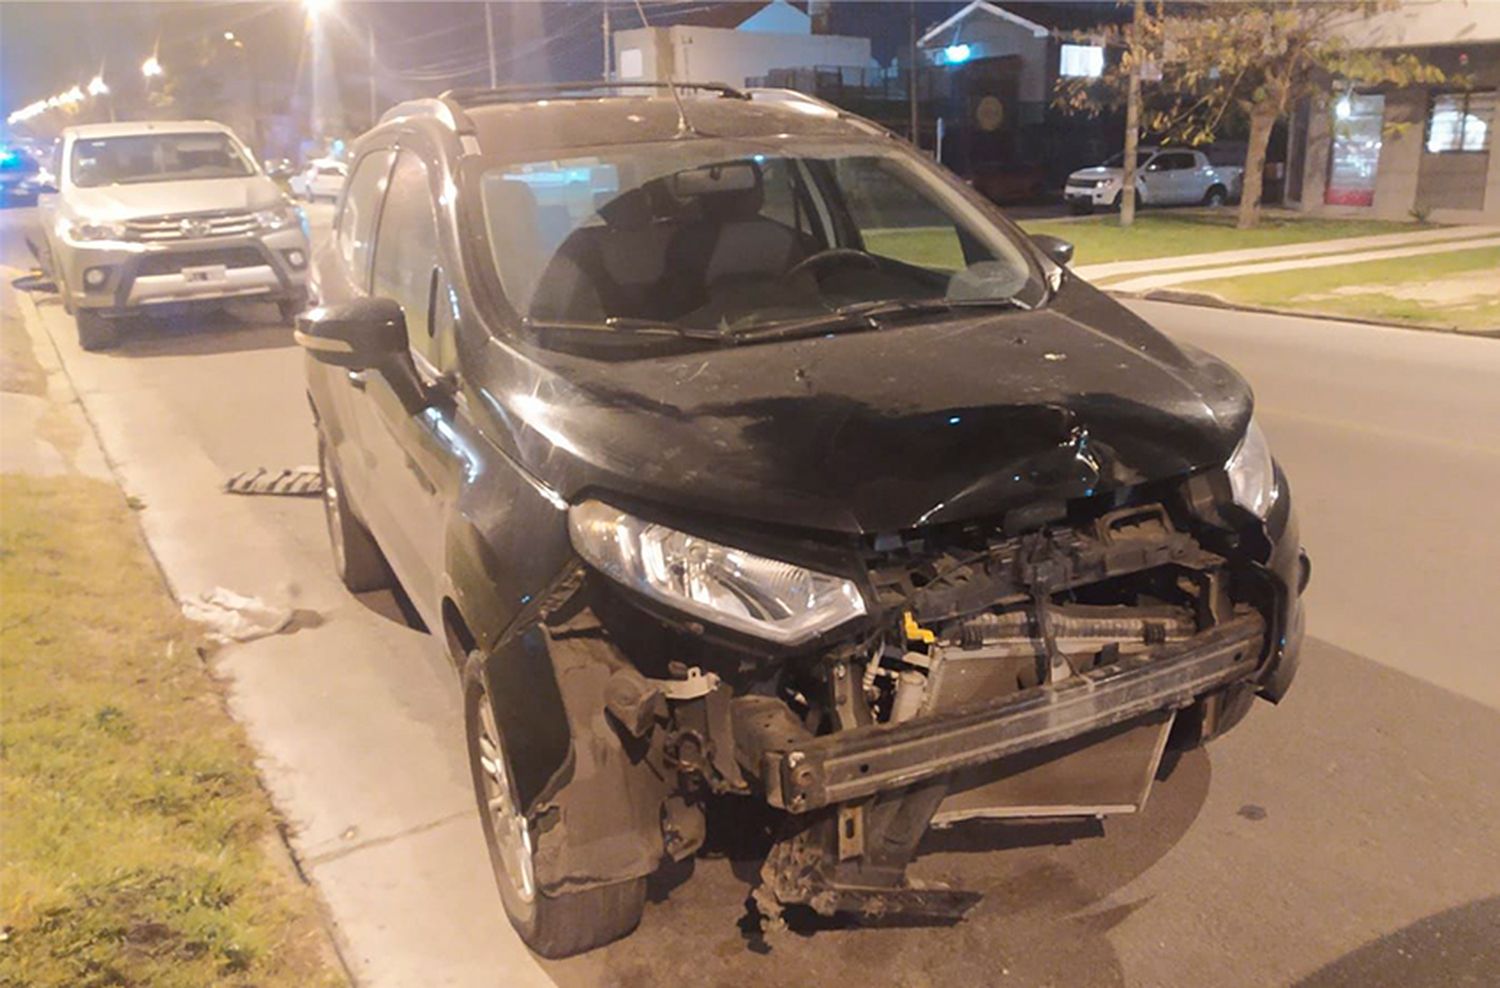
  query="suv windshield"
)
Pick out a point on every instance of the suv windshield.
point(157, 158)
point(1118, 158)
point(712, 238)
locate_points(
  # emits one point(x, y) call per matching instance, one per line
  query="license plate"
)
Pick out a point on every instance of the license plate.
point(205, 273)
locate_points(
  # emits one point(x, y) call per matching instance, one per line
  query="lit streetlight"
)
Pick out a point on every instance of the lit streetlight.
point(97, 86)
point(151, 68)
point(316, 8)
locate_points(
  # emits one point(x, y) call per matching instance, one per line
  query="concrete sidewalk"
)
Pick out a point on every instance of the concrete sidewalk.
point(1150, 282)
point(1345, 245)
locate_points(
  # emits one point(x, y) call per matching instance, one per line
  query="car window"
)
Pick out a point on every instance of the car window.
point(356, 223)
point(406, 249)
point(717, 236)
point(896, 222)
point(157, 158)
point(1177, 161)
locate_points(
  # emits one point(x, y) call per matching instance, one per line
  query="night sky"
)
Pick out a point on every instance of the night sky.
point(422, 48)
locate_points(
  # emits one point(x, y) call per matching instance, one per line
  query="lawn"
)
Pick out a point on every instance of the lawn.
point(1099, 240)
point(139, 848)
point(1452, 290)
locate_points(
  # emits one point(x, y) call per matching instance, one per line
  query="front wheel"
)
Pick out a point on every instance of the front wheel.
point(356, 555)
point(553, 925)
point(96, 332)
point(1215, 197)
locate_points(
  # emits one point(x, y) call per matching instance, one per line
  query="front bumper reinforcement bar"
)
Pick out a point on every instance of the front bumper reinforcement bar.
point(854, 764)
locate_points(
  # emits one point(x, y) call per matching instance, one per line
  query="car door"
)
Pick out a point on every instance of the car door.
point(419, 453)
point(1182, 179)
point(342, 273)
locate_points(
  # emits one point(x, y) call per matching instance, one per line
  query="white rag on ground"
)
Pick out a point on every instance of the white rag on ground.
point(235, 617)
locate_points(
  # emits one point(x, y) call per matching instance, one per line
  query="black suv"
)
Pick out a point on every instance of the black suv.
point(736, 450)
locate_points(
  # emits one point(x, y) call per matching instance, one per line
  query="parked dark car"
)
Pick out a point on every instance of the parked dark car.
point(735, 450)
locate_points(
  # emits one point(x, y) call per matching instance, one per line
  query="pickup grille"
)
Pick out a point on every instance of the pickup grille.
point(199, 226)
point(173, 263)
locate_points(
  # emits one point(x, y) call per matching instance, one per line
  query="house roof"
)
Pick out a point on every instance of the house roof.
point(984, 7)
point(729, 15)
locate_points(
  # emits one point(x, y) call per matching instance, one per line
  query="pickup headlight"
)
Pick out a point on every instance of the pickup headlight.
point(1252, 473)
point(96, 231)
point(768, 598)
point(278, 217)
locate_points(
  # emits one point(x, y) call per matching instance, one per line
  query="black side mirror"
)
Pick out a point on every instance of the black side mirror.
point(365, 334)
point(1056, 248)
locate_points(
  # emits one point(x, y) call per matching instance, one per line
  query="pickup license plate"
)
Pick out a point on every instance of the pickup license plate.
point(204, 274)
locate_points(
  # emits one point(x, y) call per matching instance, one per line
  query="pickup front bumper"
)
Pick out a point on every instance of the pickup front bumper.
point(115, 277)
point(859, 763)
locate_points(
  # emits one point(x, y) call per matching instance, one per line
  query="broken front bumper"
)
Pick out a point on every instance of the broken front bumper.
point(858, 763)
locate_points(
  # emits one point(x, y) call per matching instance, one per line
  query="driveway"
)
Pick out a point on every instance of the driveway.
point(1350, 836)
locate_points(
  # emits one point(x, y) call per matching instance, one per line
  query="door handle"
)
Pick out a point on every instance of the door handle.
point(358, 379)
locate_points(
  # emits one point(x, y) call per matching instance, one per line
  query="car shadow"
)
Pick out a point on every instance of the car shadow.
point(1459, 946)
point(233, 328)
point(1041, 881)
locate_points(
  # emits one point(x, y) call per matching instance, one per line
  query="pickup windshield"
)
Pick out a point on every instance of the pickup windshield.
point(720, 238)
point(157, 158)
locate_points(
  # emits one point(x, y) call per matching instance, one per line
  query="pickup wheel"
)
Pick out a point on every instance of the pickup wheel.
point(1216, 196)
point(553, 925)
point(356, 556)
point(96, 332)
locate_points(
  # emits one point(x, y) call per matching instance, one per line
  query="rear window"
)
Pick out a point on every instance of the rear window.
point(157, 158)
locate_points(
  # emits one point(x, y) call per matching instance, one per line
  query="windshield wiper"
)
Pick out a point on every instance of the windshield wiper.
point(872, 315)
point(623, 324)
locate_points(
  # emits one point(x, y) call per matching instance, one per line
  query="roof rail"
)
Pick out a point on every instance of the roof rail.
point(446, 111)
point(522, 92)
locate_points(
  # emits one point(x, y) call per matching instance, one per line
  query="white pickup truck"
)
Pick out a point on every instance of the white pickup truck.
point(1163, 177)
point(153, 213)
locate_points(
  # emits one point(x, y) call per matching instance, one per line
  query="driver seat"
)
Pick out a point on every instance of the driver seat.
point(731, 244)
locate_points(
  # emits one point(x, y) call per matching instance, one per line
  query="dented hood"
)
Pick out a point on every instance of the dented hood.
point(919, 423)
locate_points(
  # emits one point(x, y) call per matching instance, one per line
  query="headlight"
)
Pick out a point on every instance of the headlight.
point(1252, 474)
point(277, 217)
point(768, 598)
point(96, 231)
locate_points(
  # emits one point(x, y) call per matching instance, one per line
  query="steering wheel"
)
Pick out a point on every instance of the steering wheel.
point(833, 255)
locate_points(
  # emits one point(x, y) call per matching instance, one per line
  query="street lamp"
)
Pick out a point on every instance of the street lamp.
point(97, 86)
point(151, 68)
point(315, 8)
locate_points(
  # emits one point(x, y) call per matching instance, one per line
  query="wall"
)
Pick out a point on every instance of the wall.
point(705, 54)
point(1403, 161)
point(989, 36)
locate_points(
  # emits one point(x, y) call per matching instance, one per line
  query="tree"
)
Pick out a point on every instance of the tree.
point(1250, 61)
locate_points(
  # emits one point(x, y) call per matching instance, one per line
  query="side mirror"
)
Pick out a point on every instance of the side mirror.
point(1058, 249)
point(365, 334)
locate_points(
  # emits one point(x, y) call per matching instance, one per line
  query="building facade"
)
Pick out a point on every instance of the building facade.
point(1408, 152)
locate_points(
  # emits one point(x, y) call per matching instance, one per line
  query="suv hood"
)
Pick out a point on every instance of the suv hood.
point(175, 198)
point(887, 429)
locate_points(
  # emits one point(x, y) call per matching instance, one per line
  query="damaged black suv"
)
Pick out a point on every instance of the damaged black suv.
point(735, 449)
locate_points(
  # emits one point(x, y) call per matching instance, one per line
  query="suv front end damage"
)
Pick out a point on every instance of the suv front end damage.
point(1034, 665)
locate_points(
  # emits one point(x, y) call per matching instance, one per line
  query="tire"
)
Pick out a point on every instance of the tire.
point(1080, 208)
point(1119, 197)
point(96, 332)
point(1216, 196)
point(552, 925)
point(356, 556)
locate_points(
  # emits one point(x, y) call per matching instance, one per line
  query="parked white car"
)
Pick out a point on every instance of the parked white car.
point(323, 178)
point(1163, 177)
point(155, 212)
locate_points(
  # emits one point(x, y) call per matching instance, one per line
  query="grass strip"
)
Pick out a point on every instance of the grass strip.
point(139, 848)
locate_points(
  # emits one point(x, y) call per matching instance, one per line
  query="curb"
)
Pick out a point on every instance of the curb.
point(1209, 301)
point(278, 843)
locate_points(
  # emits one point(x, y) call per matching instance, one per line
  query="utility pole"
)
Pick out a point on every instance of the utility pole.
point(489, 38)
point(1132, 119)
point(608, 45)
point(374, 117)
point(911, 76)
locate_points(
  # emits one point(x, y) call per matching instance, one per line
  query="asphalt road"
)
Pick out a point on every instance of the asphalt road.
point(1347, 837)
